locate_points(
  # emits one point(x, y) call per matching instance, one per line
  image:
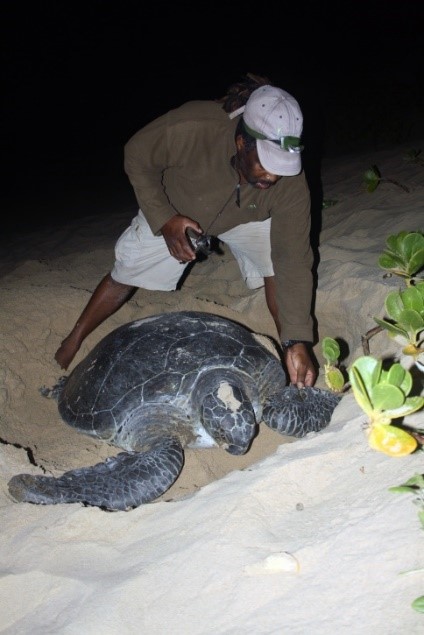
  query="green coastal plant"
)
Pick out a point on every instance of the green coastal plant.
point(372, 178)
point(414, 156)
point(404, 255)
point(405, 322)
point(415, 486)
point(383, 396)
point(328, 202)
point(333, 376)
point(384, 393)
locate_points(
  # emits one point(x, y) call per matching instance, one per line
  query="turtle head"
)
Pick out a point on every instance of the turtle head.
point(228, 416)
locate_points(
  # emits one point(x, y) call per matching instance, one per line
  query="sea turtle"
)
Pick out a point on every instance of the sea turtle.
point(159, 384)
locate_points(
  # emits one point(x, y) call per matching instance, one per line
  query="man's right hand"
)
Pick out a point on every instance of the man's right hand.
point(174, 233)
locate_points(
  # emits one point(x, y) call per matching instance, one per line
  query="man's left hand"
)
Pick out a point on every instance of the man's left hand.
point(299, 365)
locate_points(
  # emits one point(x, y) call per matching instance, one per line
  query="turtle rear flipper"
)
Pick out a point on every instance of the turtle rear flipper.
point(120, 483)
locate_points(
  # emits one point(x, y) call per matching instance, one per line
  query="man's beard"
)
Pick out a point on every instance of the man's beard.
point(260, 184)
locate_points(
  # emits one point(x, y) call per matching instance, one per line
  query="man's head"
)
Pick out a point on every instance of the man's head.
point(272, 124)
point(247, 161)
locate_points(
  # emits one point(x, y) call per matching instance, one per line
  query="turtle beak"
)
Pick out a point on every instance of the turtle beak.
point(236, 450)
point(240, 437)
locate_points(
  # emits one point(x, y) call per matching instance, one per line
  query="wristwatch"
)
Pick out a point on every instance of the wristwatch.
point(290, 343)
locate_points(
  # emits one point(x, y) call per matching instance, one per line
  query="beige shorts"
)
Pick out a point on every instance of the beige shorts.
point(143, 259)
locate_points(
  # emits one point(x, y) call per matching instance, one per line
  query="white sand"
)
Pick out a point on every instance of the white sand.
point(208, 558)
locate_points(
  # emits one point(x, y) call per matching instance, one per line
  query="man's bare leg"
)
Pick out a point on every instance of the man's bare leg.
point(271, 300)
point(107, 298)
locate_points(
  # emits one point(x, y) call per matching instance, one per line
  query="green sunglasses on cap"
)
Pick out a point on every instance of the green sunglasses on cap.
point(290, 144)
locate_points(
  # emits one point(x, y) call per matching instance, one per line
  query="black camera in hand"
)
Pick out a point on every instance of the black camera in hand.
point(201, 243)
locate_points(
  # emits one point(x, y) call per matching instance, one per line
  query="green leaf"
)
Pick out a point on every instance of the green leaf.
point(360, 391)
point(412, 485)
point(334, 379)
point(415, 481)
point(404, 255)
point(411, 244)
point(396, 375)
point(418, 604)
point(412, 299)
point(411, 321)
point(363, 375)
point(412, 404)
point(392, 241)
point(330, 349)
point(390, 261)
point(407, 381)
point(375, 394)
point(386, 397)
point(369, 368)
point(392, 328)
point(401, 489)
point(328, 202)
point(400, 237)
point(416, 262)
point(371, 185)
point(394, 305)
point(372, 178)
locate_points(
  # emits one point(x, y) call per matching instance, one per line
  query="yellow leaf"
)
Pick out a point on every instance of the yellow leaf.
point(410, 349)
point(391, 440)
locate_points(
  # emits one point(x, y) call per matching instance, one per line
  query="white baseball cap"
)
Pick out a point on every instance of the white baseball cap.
point(273, 117)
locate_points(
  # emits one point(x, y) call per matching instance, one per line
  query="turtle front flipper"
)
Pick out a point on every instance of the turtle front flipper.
point(296, 412)
point(120, 483)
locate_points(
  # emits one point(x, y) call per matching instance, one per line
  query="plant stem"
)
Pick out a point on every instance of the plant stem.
point(396, 183)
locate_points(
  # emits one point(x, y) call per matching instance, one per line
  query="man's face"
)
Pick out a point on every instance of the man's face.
point(251, 169)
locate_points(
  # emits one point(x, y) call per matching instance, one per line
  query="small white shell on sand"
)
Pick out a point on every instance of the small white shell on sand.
point(275, 563)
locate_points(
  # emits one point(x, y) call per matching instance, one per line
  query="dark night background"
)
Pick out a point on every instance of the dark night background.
point(79, 78)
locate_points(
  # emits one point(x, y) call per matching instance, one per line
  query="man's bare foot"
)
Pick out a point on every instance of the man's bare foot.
point(66, 352)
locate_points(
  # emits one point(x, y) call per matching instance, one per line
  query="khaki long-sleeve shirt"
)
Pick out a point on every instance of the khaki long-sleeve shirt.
point(181, 163)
